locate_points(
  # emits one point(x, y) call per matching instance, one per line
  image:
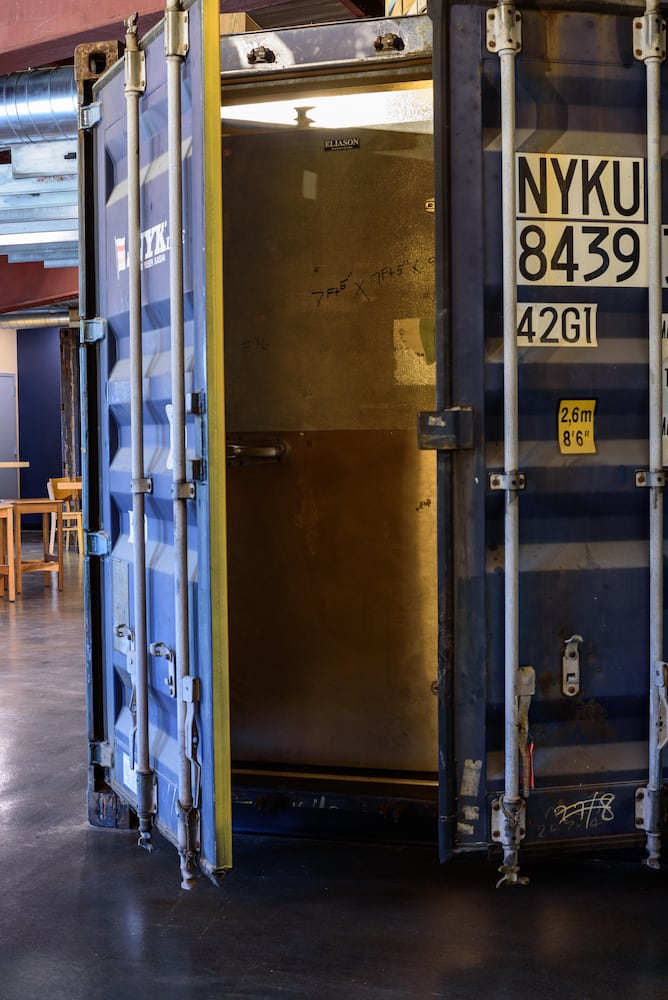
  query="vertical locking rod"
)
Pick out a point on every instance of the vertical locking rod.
point(649, 46)
point(175, 51)
point(135, 84)
point(504, 38)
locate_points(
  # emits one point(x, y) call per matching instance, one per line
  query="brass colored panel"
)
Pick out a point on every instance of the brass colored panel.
point(330, 347)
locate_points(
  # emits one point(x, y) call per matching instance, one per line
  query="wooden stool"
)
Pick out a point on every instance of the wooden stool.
point(7, 562)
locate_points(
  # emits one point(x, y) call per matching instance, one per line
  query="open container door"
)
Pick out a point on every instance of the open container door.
point(156, 624)
point(551, 310)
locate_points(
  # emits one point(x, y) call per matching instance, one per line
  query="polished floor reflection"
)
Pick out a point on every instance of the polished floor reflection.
point(85, 915)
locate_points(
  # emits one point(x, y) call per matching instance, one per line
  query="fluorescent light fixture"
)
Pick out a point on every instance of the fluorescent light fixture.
point(361, 110)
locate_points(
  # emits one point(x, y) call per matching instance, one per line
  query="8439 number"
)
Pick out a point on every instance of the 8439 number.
point(552, 253)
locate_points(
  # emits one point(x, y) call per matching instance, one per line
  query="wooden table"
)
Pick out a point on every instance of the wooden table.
point(7, 558)
point(48, 564)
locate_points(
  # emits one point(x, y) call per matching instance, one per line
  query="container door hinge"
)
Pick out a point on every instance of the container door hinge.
point(92, 330)
point(570, 666)
point(100, 753)
point(97, 543)
point(88, 116)
point(446, 430)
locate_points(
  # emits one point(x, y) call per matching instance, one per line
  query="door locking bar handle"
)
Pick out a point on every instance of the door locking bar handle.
point(252, 453)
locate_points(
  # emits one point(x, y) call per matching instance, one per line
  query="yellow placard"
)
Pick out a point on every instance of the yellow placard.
point(575, 426)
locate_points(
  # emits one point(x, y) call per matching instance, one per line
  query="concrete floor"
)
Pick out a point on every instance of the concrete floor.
point(86, 915)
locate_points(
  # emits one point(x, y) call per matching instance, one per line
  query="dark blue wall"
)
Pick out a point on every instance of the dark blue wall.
point(38, 364)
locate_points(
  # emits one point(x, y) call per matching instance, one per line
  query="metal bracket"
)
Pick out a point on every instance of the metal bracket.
point(135, 61)
point(92, 330)
point(177, 39)
point(660, 681)
point(97, 543)
point(100, 753)
point(501, 818)
point(649, 38)
point(195, 403)
point(446, 430)
point(570, 666)
point(183, 491)
point(652, 479)
point(526, 689)
point(504, 29)
point(261, 55)
point(127, 637)
point(650, 808)
point(389, 43)
point(196, 470)
point(162, 649)
point(190, 693)
point(500, 481)
point(142, 485)
point(91, 60)
point(88, 116)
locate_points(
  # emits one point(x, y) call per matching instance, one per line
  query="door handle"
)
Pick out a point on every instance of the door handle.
point(251, 452)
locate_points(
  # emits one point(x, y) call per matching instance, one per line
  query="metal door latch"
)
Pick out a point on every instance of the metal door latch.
point(660, 678)
point(162, 649)
point(570, 666)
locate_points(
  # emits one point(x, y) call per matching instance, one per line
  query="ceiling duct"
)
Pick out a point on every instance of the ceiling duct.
point(38, 106)
point(38, 169)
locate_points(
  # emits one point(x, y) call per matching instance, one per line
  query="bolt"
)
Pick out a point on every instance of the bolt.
point(495, 806)
point(496, 835)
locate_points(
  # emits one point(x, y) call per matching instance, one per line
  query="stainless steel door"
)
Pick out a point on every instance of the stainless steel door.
point(329, 355)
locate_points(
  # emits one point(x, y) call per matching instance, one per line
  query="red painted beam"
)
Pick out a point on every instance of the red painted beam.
point(40, 32)
point(28, 286)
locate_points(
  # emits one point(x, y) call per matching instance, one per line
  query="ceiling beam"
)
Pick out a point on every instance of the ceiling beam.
point(43, 33)
point(27, 286)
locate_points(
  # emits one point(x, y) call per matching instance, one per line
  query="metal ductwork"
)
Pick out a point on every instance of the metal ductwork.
point(38, 178)
point(38, 106)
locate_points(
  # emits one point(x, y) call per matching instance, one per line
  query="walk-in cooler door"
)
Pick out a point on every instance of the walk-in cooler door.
point(550, 159)
point(329, 356)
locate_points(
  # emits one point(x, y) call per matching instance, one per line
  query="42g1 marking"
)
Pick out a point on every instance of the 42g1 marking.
point(556, 324)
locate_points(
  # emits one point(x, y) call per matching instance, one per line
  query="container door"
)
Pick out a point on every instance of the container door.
point(329, 356)
point(582, 319)
point(188, 727)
